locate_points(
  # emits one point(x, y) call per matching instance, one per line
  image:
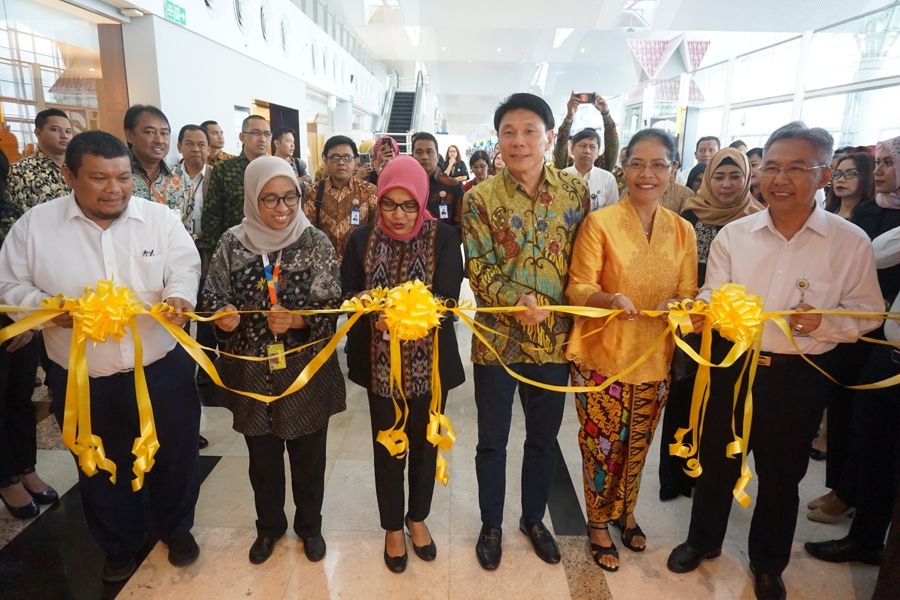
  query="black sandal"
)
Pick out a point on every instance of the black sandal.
point(629, 533)
point(598, 551)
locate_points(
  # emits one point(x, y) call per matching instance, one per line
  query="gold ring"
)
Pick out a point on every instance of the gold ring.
point(798, 327)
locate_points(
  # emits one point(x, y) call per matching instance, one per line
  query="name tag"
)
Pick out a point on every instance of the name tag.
point(277, 359)
point(444, 212)
point(354, 216)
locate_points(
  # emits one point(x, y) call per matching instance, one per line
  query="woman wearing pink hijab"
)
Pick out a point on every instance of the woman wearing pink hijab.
point(404, 244)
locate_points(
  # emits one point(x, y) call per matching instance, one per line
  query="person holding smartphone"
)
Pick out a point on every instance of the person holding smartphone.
point(607, 160)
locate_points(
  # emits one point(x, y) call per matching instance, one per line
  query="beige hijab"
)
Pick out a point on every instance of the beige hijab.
point(252, 232)
point(710, 209)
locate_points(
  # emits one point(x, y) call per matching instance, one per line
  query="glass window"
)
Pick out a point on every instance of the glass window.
point(767, 73)
point(755, 124)
point(857, 119)
point(710, 82)
point(861, 49)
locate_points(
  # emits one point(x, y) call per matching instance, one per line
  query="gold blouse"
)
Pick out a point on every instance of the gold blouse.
point(612, 254)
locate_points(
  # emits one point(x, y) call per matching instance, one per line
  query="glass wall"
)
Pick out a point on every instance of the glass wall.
point(51, 58)
point(845, 78)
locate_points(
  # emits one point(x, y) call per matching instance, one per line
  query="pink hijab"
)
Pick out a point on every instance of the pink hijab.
point(406, 173)
point(891, 200)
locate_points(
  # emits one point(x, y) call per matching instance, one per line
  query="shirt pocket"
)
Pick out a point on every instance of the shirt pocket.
point(147, 276)
point(817, 292)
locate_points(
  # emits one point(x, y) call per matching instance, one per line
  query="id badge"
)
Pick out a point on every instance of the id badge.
point(277, 359)
point(354, 216)
point(445, 213)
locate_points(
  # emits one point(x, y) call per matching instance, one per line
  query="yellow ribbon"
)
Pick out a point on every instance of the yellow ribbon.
point(411, 311)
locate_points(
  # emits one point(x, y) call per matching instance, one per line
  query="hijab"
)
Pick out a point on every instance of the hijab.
point(252, 232)
point(710, 209)
point(891, 200)
point(406, 173)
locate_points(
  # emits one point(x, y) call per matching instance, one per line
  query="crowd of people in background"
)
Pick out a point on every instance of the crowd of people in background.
point(551, 217)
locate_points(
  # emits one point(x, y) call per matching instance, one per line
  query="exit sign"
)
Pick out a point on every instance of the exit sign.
point(175, 13)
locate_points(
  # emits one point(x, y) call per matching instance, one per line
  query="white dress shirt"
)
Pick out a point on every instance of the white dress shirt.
point(887, 248)
point(55, 249)
point(831, 255)
point(602, 186)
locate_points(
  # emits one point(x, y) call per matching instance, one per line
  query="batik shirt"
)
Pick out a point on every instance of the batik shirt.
point(218, 157)
point(517, 245)
point(335, 217)
point(610, 145)
point(35, 179)
point(168, 188)
point(223, 206)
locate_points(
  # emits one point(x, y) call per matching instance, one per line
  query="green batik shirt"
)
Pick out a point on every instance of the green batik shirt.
point(517, 245)
point(223, 206)
point(34, 180)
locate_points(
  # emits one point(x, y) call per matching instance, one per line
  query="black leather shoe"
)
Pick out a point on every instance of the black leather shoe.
point(396, 564)
point(843, 550)
point(488, 548)
point(183, 550)
point(29, 511)
point(542, 541)
point(314, 548)
point(685, 558)
point(428, 552)
point(767, 586)
point(262, 548)
point(670, 492)
point(203, 442)
point(48, 496)
point(116, 569)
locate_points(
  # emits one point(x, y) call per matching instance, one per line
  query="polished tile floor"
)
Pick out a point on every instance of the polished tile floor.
point(54, 557)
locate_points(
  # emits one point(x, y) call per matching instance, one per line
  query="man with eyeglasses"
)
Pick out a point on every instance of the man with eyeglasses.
point(148, 134)
point(797, 257)
point(38, 178)
point(444, 193)
point(224, 205)
point(340, 202)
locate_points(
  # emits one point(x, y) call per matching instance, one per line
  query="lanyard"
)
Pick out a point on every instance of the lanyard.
point(272, 276)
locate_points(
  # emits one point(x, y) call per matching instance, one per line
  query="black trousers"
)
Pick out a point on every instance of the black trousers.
point(877, 430)
point(494, 393)
point(676, 414)
point(307, 458)
point(115, 515)
point(842, 462)
point(18, 436)
point(788, 399)
point(389, 470)
point(889, 576)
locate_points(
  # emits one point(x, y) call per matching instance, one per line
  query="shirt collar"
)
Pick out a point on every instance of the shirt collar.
point(134, 210)
point(42, 156)
point(550, 178)
point(817, 221)
point(164, 169)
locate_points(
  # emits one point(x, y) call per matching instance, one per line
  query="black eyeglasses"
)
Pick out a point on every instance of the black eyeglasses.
point(335, 158)
point(258, 133)
point(407, 207)
point(291, 199)
point(848, 174)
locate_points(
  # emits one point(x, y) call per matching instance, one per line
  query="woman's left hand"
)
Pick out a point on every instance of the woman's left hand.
point(280, 320)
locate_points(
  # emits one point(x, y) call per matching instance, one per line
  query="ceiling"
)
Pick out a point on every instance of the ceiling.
point(476, 52)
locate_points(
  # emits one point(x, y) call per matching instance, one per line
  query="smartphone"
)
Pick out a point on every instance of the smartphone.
point(586, 97)
point(364, 159)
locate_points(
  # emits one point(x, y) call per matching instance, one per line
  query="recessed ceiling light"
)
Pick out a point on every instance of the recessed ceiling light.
point(582, 50)
point(499, 49)
point(443, 48)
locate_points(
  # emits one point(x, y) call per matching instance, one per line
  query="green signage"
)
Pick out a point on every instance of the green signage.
point(175, 13)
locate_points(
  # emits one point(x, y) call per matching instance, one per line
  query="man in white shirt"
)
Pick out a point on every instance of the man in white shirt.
point(101, 232)
point(797, 257)
point(601, 183)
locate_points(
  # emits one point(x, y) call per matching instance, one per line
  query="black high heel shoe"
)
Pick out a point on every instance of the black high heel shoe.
point(48, 496)
point(428, 552)
point(396, 564)
point(29, 511)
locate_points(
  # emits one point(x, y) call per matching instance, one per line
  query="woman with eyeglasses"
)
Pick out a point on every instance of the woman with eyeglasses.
point(630, 256)
point(480, 163)
point(723, 196)
point(274, 261)
point(854, 195)
point(405, 244)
